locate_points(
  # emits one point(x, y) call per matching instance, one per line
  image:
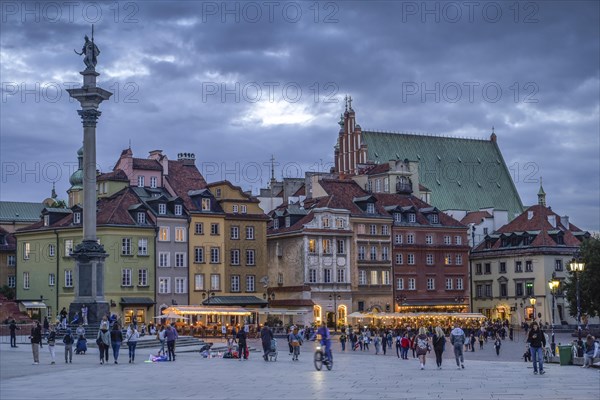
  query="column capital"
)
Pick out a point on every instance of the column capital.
point(89, 117)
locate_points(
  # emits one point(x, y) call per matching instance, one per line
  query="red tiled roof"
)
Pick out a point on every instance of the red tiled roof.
point(379, 169)
point(183, 178)
point(11, 241)
point(146, 164)
point(112, 210)
point(475, 217)
point(388, 199)
point(300, 192)
point(538, 222)
point(118, 175)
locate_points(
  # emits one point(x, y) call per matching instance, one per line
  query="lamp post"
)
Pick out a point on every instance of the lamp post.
point(471, 268)
point(577, 265)
point(400, 299)
point(532, 301)
point(335, 297)
point(553, 284)
point(210, 295)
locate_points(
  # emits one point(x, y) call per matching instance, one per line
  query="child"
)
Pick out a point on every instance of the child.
point(527, 354)
point(497, 345)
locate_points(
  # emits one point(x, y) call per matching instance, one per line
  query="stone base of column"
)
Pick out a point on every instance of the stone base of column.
point(96, 311)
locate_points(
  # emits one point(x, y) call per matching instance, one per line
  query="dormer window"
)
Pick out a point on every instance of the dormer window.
point(397, 217)
point(141, 181)
point(287, 222)
point(435, 219)
point(339, 223)
point(77, 218)
point(276, 223)
point(162, 208)
point(46, 220)
point(235, 208)
point(141, 217)
point(370, 208)
point(412, 217)
point(205, 204)
point(178, 209)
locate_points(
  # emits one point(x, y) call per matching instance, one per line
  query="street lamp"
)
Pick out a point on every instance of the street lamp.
point(210, 296)
point(553, 284)
point(532, 301)
point(400, 300)
point(577, 265)
point(471, 267)
point(335, 297)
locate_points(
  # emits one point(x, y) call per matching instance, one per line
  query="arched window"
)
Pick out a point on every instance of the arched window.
point(342, 315)
point(317, 314)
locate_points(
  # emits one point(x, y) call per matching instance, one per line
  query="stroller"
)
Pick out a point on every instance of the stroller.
point(272, 354)
point(81, 346)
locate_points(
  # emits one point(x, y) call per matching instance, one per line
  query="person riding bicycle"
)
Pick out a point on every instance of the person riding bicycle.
point(325, 335)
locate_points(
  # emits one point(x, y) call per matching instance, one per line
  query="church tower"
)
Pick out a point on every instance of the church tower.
point(75, 192)
point(349, 151)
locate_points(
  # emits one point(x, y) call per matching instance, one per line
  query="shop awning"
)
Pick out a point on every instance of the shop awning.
point(137, 301)
point(241, 301)
point(206, 310)
point(279, 311)
point(33, 304)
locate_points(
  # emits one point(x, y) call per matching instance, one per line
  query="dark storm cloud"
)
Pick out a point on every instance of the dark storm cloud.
point(164, 61)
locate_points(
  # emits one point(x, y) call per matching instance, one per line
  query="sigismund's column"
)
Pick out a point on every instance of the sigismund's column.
point(89, 255)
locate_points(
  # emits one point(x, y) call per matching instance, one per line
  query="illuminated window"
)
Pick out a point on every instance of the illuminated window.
point(163, 234)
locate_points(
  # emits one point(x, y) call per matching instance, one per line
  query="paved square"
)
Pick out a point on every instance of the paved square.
point(356, 375)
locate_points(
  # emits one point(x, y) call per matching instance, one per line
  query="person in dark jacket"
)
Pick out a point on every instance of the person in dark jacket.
point(13, 333)
point(116, 338)
point(242, 348)
point(537, 342)
point(439, 345)
point(266, 336)
point(36, 339)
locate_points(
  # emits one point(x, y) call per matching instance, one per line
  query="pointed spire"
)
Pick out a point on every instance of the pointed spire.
point(272, 182)
point(541, 195)
point(346, 103)
point(341, 121)
point(350, 103)
point(54, 195)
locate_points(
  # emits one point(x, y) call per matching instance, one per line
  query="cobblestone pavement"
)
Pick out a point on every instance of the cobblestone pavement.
point(356, 375)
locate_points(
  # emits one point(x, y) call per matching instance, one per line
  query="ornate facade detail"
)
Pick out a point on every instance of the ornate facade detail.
point(89, 118)
point(88, 249)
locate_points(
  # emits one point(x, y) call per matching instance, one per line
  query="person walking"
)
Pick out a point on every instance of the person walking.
point(422, 346)
point(171, 336)
point(439, 345)
point(343, 339)
point(51, 343)
point(537, 342)
point(46, 326)
point(265, 337)
point(481, 338)
point(457, 338)
point(116, 338)
point(497, 344)
point(68, 342)
point(103, 342)
point(384, 342)
point(405, 345)
point(242, 344)
point(295, 340)
point(36, 339)
point(13, 333)
point(377, 343)
point(132, 338)
point(63, 317)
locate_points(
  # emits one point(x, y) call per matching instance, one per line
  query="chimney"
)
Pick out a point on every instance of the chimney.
point(155, 155)
point(187, 158)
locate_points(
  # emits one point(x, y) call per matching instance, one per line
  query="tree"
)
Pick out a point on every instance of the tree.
point(589, 280)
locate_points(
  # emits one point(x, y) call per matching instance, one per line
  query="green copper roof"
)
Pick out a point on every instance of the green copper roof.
point(20, 211)
point(462, 174)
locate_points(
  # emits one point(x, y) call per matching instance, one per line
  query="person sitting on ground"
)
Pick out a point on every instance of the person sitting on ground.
point(588, 351)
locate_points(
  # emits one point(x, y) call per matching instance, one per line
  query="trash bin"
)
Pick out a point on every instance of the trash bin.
point(565, 355)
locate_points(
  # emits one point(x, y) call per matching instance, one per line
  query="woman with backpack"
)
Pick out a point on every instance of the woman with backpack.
point(422, 346)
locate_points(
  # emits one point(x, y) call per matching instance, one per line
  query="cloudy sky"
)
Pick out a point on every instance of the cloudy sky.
point(237, 82)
